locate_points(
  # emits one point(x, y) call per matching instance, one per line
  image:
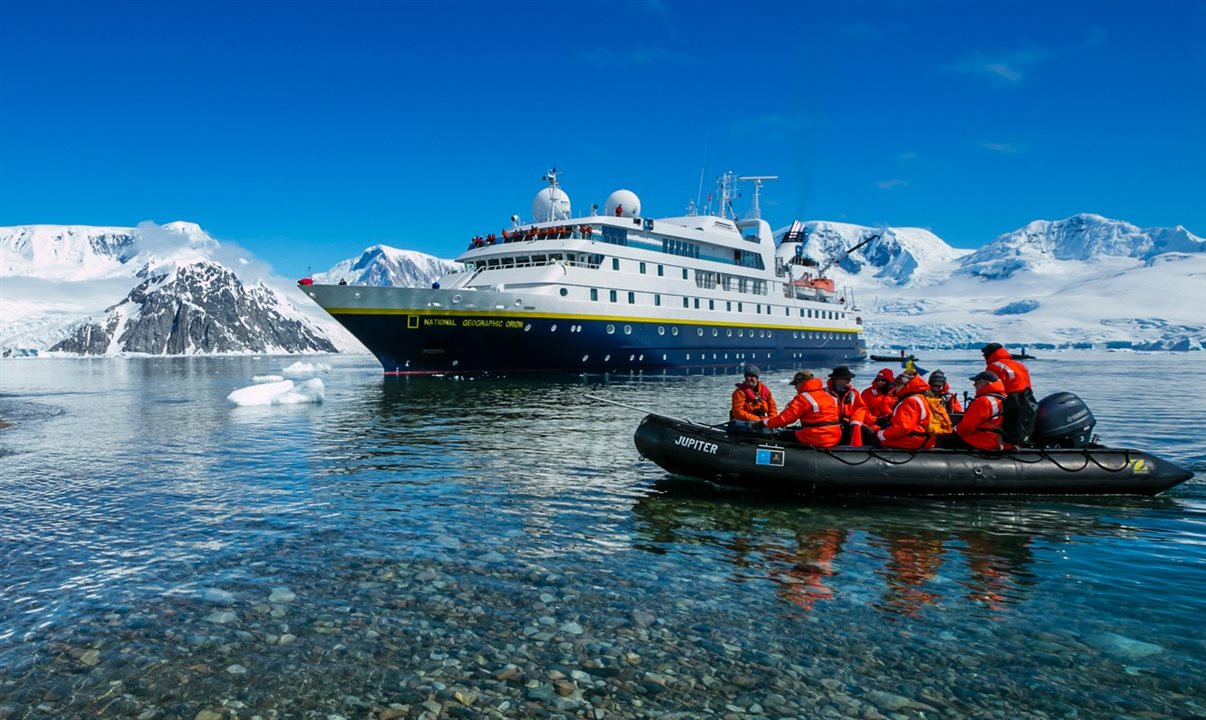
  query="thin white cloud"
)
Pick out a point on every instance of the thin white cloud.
point(1004, 69)
point(1001, 147)
point(891, 184)
point(646, 55)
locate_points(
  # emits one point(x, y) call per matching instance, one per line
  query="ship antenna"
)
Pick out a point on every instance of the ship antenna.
point(755, 211)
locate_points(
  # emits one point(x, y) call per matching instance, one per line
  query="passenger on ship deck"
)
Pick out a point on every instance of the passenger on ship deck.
point(852, 413)
point(816, 410)
point(942, 390)
point(752, 400)
point(910, 418)
point(879, 399)
point(980, 427)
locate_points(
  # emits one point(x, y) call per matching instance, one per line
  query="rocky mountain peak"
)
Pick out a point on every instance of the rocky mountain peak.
point(196, 307)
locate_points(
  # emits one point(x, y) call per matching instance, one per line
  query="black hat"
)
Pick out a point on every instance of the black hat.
point(751, 370)
point(985, 375)
point(990, 348)
point(800, 377)
point(937, 375)
point(841, 371)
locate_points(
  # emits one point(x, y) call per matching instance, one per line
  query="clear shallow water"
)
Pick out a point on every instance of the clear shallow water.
point(496, 548)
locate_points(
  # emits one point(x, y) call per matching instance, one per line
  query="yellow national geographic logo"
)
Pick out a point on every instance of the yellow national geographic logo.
point(412, 322)
point(1139, 467)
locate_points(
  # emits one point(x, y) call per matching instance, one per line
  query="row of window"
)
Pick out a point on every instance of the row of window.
point(728, 332)
point(695, 303)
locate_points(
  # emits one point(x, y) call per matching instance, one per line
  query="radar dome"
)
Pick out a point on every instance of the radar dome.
point(622, 203)
point(550, 203)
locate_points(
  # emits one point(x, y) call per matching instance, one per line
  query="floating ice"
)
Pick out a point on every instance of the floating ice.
point(285, 392)
point(304, 368)
point(266, 378)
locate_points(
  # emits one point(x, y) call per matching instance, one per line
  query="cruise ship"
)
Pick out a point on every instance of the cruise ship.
point(611, 292)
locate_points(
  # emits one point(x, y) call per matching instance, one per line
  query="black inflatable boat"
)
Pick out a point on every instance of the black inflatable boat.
point(763, 463)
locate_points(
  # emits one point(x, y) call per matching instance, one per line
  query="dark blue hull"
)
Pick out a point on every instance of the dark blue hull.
point(497, 343)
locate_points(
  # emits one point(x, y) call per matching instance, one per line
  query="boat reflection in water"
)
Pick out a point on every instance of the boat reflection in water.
point(977, 556)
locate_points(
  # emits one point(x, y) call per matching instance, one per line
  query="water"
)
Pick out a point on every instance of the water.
point(497, 549)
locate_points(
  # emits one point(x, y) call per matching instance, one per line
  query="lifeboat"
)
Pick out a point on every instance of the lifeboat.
point(735, 455)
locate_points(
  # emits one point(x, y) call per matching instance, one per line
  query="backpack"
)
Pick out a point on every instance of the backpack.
point(937, 421)
point(1018, 415)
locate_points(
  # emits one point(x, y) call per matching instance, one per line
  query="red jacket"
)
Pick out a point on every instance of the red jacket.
point(850, 404)
point(1014, 375)
point(817, 412)
point(753, 404)
point(909, 419)
point(950, 400)
point(981, 424)
point(877, 403)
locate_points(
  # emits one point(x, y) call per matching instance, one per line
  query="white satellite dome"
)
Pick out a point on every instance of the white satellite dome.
point(626, 200)
point(550, 203)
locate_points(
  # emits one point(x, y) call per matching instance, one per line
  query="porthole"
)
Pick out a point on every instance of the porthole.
point(455, 363)
point(715, 332)
point(699, 331)
point(674, 331)
point(663, 356)
point(456, 298)
point(740, 333)
point(631, 358)
point(585, 358)
point(661, 331)
point(518, 302)
point(611, 329)
point(527, 327)
point(627, 329)
point(606, 358)
point(564, 292)
point(553, 328)
point(641, 358)
point(688, 356)
point(357, 293)
point(729, 332)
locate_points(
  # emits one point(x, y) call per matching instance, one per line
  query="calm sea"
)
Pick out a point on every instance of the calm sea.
point(496, 548)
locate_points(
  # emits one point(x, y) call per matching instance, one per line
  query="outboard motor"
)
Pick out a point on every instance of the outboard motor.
point(1063, 421)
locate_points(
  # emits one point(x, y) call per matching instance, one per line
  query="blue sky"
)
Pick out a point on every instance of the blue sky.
point(307, 131)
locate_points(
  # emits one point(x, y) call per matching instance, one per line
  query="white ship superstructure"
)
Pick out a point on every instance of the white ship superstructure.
point(615, 291)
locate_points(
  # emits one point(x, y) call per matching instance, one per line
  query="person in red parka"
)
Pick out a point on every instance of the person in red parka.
point(942, 390)
point(981, 425)
point(1013, 374)
point(879, 399)
point(752, 400)
point(852, 413)
point(816, 410)
point(907, 429)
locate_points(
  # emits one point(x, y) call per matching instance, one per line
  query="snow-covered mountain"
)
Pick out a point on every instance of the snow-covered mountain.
point(1078, 282)
point(1043, 245)
point(900, 257)
point(193, 308)
point(382, 265)
point(63, 287)
point(1082, 281)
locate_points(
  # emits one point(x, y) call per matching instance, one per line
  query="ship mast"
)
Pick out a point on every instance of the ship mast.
point(755, 211)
